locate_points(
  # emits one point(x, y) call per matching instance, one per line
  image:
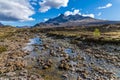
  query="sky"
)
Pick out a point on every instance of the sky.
point(31, 12)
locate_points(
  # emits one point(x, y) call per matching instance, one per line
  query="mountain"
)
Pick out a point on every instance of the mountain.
point(73, 20)
point(1, 24)
point(63, 19)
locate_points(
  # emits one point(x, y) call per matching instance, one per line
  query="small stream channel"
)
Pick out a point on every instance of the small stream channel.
point(35, 46)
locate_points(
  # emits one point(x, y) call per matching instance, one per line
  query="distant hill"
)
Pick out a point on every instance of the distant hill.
point(73, 20)
point(1, 24)
point(23, 26)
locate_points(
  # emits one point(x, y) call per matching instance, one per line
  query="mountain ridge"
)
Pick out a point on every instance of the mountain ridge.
point(73, 20)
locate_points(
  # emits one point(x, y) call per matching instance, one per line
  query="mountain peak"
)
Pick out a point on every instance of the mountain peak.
point(61, 15)
point(62, 18)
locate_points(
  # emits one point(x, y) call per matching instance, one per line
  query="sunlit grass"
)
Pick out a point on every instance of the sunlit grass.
point(103, 36)
point(3, 49)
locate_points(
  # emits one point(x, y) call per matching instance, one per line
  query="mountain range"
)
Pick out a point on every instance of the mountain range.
point(70, 21)
point(73, 20)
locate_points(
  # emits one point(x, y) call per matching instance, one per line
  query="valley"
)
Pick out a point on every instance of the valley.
point(74, 53)
point(59, 40)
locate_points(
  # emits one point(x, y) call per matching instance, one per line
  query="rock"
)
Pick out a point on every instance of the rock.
point(10, 74)
point(23, 73)
point(45, 63)
point(84, 75)
point(61, 66)
point(61, 55)
point(60, 49)
point(63, 61)
point(89, 50)
point(11, 68)
point(46, 46)
point(52, 53)
point(45, 67)
point(64, 66)
point(66, 56)
point(3, 70)
point(50, 61)
point(65, 75)
point(79, 78)
point(2, 64)
point(67, 67)
point(19, 64)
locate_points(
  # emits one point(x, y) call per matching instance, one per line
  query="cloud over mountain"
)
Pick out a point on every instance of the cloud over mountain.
point(89, 15)
point(15, 10)
point(77, 11)
point(48, 4)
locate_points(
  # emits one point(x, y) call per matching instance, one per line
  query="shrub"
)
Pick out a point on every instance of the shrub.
point(96, 33)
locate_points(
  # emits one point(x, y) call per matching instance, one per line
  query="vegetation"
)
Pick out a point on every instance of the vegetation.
point(88, 34)
point(3, 49)
point(96, 33)
point(19, 36)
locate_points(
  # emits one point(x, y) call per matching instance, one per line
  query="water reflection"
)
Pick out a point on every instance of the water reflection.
point(68, 51)
point(35, 40)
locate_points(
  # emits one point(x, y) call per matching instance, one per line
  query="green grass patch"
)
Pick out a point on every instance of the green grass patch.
point(3, 49)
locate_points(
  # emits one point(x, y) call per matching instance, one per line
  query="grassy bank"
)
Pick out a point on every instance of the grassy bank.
point(90, 36)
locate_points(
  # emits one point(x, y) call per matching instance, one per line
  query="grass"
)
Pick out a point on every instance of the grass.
point(112, 36)
point(51, 74)
point(3, 49)
point(6, 32)
point(70, 33)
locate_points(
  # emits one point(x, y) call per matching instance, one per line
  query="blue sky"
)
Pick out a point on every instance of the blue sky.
point(30, 12)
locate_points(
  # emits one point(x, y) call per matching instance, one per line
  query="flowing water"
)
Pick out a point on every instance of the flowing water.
point(35, 47)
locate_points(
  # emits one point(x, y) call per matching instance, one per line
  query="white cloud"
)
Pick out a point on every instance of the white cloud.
point(33, 2)
point(48, 4)
point(106, 6)
point(15, 10)
point(45, 19)
point(88, 15)
point(76, 11)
